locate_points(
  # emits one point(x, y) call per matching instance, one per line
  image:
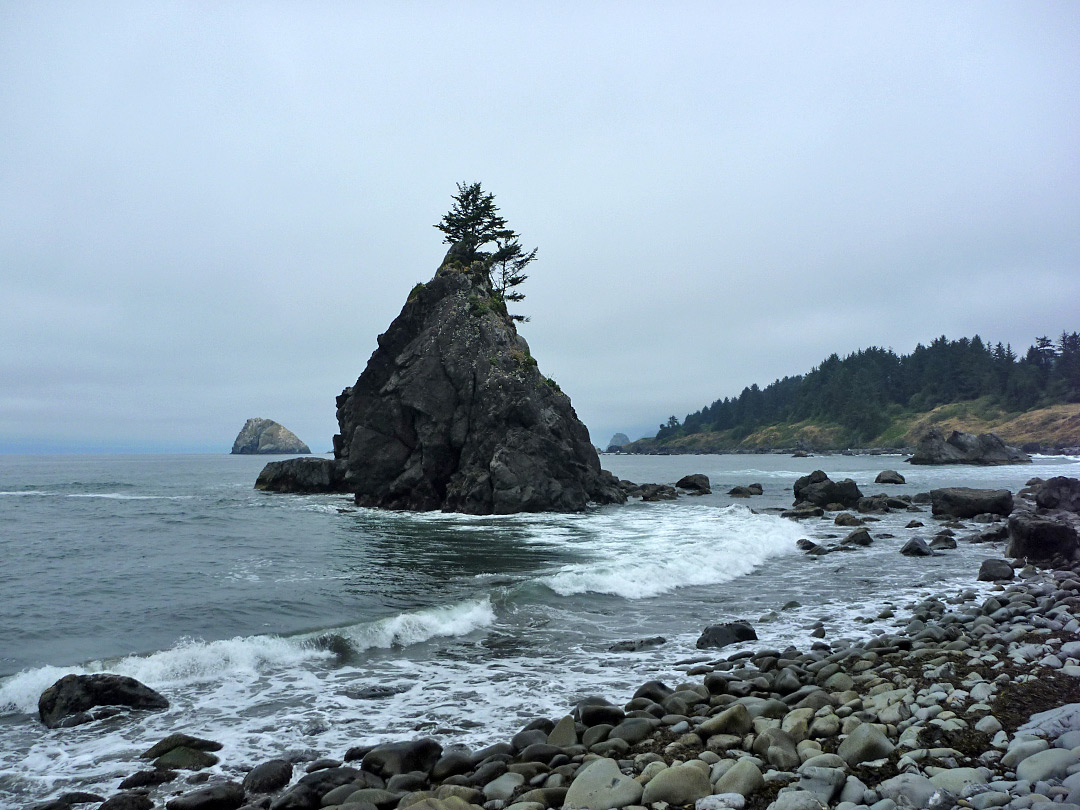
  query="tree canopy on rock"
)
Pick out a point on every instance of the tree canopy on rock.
point(480, 234)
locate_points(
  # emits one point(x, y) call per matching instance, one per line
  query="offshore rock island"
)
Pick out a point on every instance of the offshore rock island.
point(453, 414)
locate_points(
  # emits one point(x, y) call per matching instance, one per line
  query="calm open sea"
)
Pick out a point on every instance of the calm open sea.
point(173, 570)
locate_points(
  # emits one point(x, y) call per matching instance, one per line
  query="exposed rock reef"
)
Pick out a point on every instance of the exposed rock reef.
point(452, 413)
point(77, 699)
point(966, 448)
point(303, 475)
point(618, 441)
point(267, 437)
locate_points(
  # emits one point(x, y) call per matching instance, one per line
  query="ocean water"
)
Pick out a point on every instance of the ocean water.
point(282, 624)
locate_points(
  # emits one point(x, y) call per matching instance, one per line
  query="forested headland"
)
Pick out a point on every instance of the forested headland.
point(877, 398)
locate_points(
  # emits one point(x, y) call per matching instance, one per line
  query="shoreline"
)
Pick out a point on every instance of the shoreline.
point(961, 641)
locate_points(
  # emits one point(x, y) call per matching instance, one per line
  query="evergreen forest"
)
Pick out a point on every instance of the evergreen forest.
point(864, 391)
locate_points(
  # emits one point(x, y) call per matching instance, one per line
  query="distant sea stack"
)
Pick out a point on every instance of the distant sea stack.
point(267, 437)
point(966, 448)
point(452, 413)
point(618, 441)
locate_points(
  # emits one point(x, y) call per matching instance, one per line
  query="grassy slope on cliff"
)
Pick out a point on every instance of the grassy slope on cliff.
point(1057, 425)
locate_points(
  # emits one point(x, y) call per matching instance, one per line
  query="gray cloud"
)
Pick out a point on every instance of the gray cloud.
point(209, 212)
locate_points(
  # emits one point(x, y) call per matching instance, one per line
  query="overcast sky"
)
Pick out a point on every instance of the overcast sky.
point(209, 211)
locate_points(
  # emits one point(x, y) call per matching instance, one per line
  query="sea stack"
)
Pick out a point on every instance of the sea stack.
point(267, 437)
point(453, 414)
point(966, 448)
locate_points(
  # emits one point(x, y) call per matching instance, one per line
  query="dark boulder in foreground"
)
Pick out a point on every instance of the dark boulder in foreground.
point(303, 475)
point(721, 635)
point(995, 571)
point(452, 413)
point(966, 448)
point(820, 490)
point(267, 437)
point(965, 502)
point(69, 701)
point(1059, 492)
point(1042, 537)
point(223, 796)
point(394, 758)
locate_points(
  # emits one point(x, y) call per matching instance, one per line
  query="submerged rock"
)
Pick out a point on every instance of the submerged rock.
point(696, 484)
point(452, 413)
point(69, 701)
point(267, 437)
point(966, 448)
point(965, 502)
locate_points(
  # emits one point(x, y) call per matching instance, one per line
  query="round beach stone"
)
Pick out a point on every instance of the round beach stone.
point(682, 784)
point(564, 734)
point(743, 778)
point(269, 776)
point(226, 796)
point(864, 744)
point(503, 788)
point(600, 785)
point(1051, 764)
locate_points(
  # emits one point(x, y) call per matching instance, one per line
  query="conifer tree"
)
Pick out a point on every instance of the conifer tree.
point(474, 225)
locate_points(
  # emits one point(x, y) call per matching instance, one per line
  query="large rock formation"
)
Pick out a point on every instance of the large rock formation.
point(966, 448)
point(303, 475)
point(618, 441)
point(266, 437)
point(820, 490)
point(71, 699)
point(452, 413)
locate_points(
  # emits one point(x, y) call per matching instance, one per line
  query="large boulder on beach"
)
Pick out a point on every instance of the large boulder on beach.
point(303, 475)
point(1059, 492)
point(402, 757)
point(452, 413)
point(965, 448)
point(222, 796)
point(1042, 537)
point(965, 502)
point(601, 785)
point(266, 437)
point(721, 635)
point(71, 699)
point(820, 490)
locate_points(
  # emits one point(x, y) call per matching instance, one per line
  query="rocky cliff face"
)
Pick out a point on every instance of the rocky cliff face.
point(266, 437)
point(966, 448)
point(452, 413)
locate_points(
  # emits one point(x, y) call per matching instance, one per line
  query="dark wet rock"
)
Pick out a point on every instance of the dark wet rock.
point(654, 492)
point(269, 776)
point(889, 477)
point(132, 800)
point(1042, 537)
point(223, 796)
point(597, 711)
point(183, 758)
point(964, 502)
point(452, 413)
point(307, 793)
point(943, 542)
point(803, 511)
point(756, 489)
point(267, 437)
point(847, 519)
point(965, 448)
point(303, 475)
point(820, 490)
point(157, 776)
point(655, 691)
point(859, 537)
point(77, 694)
point(394, 758)
point(696, 484)
point(452, 763)
point(881, 503)
point(66, 800)
point(995, 571)
point(916, 547)
point(721, 635)
point(1059, 492)
point(175, 741)
point(740, 492)
point(637, 644)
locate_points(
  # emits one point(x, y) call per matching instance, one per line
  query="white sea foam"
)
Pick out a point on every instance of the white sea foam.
point(192, 661)
point(405, 629)
point(28, 492)
point(116, 496)
point(652, 553)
